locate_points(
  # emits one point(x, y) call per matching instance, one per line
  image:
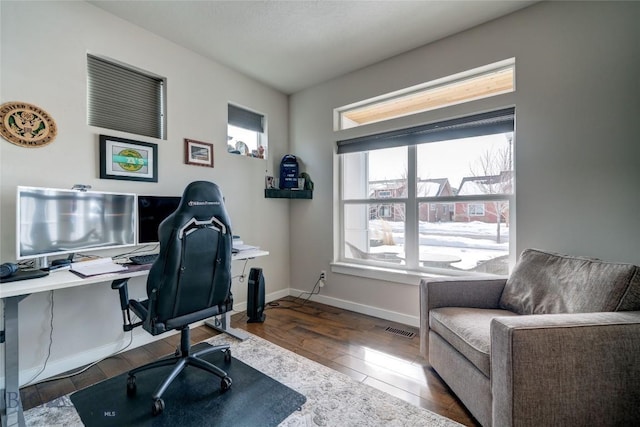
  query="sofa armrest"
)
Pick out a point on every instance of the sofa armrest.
point(476, 292)
point(566, 369)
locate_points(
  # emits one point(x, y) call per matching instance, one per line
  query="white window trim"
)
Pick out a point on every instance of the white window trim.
point(412, 264)
point(404, 276)
point(263, 139)
point(340, 113)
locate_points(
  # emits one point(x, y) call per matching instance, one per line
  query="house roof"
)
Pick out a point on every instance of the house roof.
point(431, 187)
point(425, 187)
point(488, 184)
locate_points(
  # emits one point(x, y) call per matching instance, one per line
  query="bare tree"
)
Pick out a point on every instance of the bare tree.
point(494, 171)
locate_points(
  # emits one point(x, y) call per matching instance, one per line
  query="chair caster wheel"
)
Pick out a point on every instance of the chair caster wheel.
point(227, 355)
point(225, 384)
point(131, 386)
point(158, 407)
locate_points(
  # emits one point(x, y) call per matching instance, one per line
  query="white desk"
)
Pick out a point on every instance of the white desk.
point(13, 292)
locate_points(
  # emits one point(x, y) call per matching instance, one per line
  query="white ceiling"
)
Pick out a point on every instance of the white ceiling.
point(291, 45)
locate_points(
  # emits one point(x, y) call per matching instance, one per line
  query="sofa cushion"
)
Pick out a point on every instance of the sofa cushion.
point(549, 283)
point(467, 330)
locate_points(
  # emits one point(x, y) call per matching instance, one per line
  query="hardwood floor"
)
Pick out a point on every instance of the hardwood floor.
point(354, 344)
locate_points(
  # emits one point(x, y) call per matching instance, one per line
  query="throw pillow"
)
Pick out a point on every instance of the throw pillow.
point(545, 282)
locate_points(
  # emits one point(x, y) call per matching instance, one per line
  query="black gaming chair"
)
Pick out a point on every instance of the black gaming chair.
point(189, 281)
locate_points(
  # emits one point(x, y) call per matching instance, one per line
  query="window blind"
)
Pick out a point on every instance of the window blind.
point(465, 127)
point(245, 119)
point(124, 99)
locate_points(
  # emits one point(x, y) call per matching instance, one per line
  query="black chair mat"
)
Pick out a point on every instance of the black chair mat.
point(193, 399)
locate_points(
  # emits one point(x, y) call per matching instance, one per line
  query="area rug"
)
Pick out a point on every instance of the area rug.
point(193, 399)
point(333, 398)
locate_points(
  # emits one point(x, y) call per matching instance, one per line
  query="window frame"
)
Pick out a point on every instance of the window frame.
point(412, 202)
point(251, 121)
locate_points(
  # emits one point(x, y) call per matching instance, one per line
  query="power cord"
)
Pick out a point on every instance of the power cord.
point(241, 278)
point(242, 275)
point(50, 341)
point(314, 291)
point(89, 366)
point(60, 377)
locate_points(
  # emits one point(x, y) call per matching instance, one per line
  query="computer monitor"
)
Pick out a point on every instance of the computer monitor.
point(152, 210)
point(51, 221)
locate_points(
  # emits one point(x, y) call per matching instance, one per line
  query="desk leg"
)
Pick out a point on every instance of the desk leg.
point(12, 414)
point(223, 324)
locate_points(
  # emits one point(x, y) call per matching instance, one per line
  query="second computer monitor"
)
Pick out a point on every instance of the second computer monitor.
point(152, 210)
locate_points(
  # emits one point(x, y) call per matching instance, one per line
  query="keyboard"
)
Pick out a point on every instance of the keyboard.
point(143, 259)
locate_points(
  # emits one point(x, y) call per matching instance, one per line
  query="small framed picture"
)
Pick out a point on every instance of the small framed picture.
point(269, 182)
point(127, 159)
point(198, 153)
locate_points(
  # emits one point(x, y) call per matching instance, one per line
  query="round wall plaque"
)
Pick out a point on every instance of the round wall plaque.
point(26, 125)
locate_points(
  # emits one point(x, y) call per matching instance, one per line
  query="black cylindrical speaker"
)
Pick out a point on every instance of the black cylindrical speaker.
point(255, 296)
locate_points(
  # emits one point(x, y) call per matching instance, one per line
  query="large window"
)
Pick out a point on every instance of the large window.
point(124, 98)
point(246, 133)
point(434, 197)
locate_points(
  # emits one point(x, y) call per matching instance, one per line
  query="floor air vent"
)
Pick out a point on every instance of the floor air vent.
point(400, 332)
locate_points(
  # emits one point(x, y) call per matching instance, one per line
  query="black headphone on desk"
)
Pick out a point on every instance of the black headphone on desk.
point(8, 269)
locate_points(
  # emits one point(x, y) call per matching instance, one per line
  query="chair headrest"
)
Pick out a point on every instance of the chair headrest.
point(202, 200)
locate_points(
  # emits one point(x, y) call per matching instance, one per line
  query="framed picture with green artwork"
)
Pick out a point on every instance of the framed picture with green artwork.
point(127, 159)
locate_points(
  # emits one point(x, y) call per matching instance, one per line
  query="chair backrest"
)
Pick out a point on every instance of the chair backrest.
point(191, 278)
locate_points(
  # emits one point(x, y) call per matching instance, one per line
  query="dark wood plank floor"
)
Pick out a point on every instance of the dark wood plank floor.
point(352, 343)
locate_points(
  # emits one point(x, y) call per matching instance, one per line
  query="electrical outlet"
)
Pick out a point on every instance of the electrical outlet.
point(323, 277)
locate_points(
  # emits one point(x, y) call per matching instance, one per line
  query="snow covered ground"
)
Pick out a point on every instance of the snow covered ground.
point(472, 242)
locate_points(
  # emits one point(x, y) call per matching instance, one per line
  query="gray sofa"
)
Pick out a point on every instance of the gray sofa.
point(555, 344)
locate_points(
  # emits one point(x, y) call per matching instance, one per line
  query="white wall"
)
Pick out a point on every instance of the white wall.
point(577, 109)
point(43, 54)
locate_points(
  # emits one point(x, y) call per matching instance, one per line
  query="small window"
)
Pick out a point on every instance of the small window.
point(476, 209)
point(125, 99)
point(246, 134)
point(483, 82)
point(384, 211)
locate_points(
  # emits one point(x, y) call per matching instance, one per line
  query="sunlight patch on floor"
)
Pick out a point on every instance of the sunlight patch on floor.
point(380, 360)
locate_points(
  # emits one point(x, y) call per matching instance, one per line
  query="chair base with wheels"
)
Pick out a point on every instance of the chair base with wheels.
point(182, 358)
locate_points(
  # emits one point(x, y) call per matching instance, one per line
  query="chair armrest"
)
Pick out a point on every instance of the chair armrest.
point(476, 292)
point(566, 369)
point(121, 286)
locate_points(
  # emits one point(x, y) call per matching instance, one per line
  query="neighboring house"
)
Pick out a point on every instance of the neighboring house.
point(484, 211)
point(396, 188)
point(488, 211)
point(435, 212)
point(387, 189)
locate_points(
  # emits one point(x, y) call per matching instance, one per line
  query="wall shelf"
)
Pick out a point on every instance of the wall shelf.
point(276, 193)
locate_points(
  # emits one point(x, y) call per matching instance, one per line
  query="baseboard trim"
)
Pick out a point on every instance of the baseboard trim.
point(74, 362)
point(56, 367)
point(393, 316)
point(242, 306)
